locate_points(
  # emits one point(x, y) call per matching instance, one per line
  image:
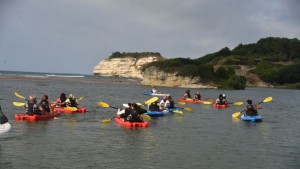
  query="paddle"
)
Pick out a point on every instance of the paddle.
point(268, 99)
point(19, 95)
point(153, 99)
point(105, 105)
point(237, 103)
point(177, 111)
point(18, 104)
point(3, 118)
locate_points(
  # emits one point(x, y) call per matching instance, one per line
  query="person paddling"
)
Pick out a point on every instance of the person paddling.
point(221, 100)
point(60, 102)
point(71, 101)
point(44, 106)
point(187, 95)
point(154, 90)
point(197, 96)
point(31, 106)
point(251, 110)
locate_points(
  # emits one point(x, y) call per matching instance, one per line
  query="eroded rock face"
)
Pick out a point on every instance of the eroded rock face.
point(123, 67)
point(153, 76)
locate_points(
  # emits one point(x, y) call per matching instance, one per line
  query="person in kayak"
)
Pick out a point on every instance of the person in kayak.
point(60, 102)
point(187, 95)
point(163, 102)
point(197, 96)
point(251, 110)
point(44, 106)
point(135, 115)
point(31, 106)
point(3, 118)
point(169, 103)
point(71, 101)
point(154, 90)
point(221, 100)
point(154, 106)
point(124, 113)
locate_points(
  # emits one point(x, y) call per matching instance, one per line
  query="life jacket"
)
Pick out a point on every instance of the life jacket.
point(134, 117)
point(32, 108)
point(45, 105)
point(154, 107)
point(72, 103)
point(251, 111)
point(221, 100)
point(172, 104)
point(197, 96)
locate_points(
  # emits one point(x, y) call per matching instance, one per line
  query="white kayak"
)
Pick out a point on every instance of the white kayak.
point(155, 94)
point(4, 128)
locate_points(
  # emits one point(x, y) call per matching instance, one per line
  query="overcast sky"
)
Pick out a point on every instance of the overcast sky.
point(72, 36)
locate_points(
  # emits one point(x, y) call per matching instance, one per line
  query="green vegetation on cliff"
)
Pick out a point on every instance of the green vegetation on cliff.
point(136, 55)
point(275, 60)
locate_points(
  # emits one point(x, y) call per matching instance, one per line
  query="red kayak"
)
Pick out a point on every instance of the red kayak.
point(66, 111)
point(190, 100)
point(128, 124)
point(221, 105)
point(36, 117)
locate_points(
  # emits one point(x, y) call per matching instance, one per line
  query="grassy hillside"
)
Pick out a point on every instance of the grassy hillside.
point(274, 60)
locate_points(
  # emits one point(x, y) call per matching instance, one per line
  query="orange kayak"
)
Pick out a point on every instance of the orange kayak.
point(36, 117)
point(221, 105)
point(128, 124)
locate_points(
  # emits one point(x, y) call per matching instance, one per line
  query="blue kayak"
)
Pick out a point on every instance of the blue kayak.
point(155, 113)
point(155, 94)
point(160, 113)
point(251, 118)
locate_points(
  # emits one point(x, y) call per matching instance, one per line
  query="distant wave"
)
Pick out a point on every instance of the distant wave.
point(54, 75)
point(34, 76)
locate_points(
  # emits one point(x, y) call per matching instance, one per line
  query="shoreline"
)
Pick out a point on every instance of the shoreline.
point(72, 79)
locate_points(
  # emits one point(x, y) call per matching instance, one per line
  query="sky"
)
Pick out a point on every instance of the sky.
point(73, 36)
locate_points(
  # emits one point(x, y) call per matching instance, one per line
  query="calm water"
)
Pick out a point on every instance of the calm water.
point(204, 138)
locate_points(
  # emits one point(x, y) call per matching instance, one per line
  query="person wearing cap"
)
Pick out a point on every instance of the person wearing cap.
point(31, 106)
point(221, 100)
point(71, 101)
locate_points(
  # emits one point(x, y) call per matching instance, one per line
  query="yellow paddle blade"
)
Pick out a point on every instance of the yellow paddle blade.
point(207, 102)
point(71, 108)
point(234, 115)
point(211, 100)
point(153, 99)
point(103, 104)
point(18, 104)
point(238, 103)
point(145, 116)
point(188, 109)
point(106, 121)
point(178, 111)
point(181, 103)
point(139, 104)
point(80, 98)
point(20, 96)
point(268, 99)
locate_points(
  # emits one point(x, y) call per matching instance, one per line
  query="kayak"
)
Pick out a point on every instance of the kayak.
point(4, 128)
point(190, 100)
point(221, 105)
point(154, 113)
point(133, 124)
point(36, 117)
point(251, 118)
point(155, 94)
point(66, 111)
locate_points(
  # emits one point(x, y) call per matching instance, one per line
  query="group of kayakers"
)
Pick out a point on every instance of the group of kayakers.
point(44, 107)
point(250, 110)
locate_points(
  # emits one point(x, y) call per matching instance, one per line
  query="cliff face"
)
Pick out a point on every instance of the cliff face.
point(153, 76)
point(123, 67)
